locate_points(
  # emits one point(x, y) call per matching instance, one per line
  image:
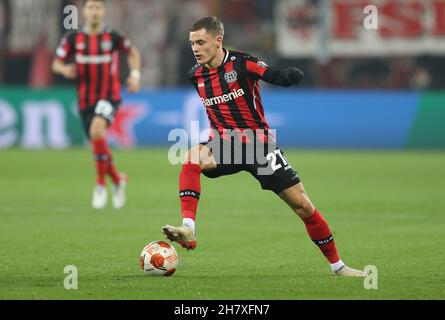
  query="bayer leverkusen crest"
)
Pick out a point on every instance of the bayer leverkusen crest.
point(231, 76)
point(106, 45)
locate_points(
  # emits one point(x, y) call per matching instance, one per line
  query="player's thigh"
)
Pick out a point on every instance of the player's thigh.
point(297, 198)
point(202, 156)
point(104, 113)
point(98, 127)
point(86, 117)
point(272, 170)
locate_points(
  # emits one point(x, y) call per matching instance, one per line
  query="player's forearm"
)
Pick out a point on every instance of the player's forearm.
point(58, 66)
point(283, 77)
point(134, 63)
point(134, 60)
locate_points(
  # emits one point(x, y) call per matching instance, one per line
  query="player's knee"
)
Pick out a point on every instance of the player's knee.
point(190, 158)
point(97, 133)
point(198, 156)
point(98, 129)
point(303, 207)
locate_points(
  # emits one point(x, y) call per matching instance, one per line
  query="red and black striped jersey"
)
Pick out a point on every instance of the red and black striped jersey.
point(231, 92)
point(96, 57)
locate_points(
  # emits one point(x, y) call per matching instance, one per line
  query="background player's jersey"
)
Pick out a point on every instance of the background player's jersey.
point(230, 93)
point(97, 63)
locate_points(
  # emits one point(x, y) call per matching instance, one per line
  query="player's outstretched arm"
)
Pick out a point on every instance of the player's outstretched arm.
point(257, 69)
point(64, 69)
point(134, 63)
point(283, 77)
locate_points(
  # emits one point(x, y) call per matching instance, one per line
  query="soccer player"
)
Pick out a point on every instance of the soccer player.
point(228, 84)
point(96, 55)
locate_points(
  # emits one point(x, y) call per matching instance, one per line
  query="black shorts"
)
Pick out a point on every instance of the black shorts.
point(103, 108)
point(264, 161)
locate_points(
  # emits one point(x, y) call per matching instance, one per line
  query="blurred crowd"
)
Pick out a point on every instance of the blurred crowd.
point(30, 31)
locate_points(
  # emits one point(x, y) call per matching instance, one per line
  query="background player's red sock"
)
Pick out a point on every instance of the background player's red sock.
point(189, 191)
point(100, 151)
point(319, 232)
point(112, 171)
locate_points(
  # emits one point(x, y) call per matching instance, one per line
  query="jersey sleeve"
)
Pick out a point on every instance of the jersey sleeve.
point(255, 67)
point(122, 42)
point(65, 48)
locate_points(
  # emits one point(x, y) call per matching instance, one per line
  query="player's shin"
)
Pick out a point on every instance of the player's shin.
point(321, 235)
point(112, 171)
point(100, 152)
point(189, 193)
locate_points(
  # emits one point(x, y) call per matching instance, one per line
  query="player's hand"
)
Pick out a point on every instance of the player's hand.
point(134, 81)
point(294, 75)
point(70, 71)
point(133, 85)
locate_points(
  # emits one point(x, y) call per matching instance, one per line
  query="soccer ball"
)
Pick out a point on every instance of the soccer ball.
point(158, 258)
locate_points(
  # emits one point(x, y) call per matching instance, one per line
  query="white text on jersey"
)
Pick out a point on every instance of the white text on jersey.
point(223, 98)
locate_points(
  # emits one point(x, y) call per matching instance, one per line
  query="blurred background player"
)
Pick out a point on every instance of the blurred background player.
point(217, 76)
point(95, 48)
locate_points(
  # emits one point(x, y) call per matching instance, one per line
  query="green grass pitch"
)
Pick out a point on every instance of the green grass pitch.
point(385, 209)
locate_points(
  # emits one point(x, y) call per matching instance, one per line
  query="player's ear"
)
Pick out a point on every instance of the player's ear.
point(219, 40)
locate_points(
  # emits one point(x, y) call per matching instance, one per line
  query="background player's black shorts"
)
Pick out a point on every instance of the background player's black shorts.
point(266, 163)
point(103, 108)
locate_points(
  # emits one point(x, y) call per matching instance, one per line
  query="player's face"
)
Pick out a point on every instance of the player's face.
point(93, 12)
point(205, 45)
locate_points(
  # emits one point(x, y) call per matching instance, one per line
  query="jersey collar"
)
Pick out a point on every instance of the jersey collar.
point(103, 28)
point(226, 57)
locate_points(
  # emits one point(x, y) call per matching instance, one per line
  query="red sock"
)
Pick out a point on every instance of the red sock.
point(319, 232)
point(100, 151)
point(189, 189)
point(112, 171)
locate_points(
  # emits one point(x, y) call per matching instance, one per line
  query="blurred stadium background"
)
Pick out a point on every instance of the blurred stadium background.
point(363, 88)
point(366, 129)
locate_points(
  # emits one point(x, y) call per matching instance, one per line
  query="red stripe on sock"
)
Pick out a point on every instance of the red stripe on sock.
point(318, 229)
point(112, 171)
point(189, 179)
point(100, 149)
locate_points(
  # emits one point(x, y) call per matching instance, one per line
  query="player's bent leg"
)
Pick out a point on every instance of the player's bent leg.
point(317, 229)
point(105, 166)
point(119, 197)
point(98, 128)
point(298, 200)
point(99, 146)
point(202, 156)
point(196, 160)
